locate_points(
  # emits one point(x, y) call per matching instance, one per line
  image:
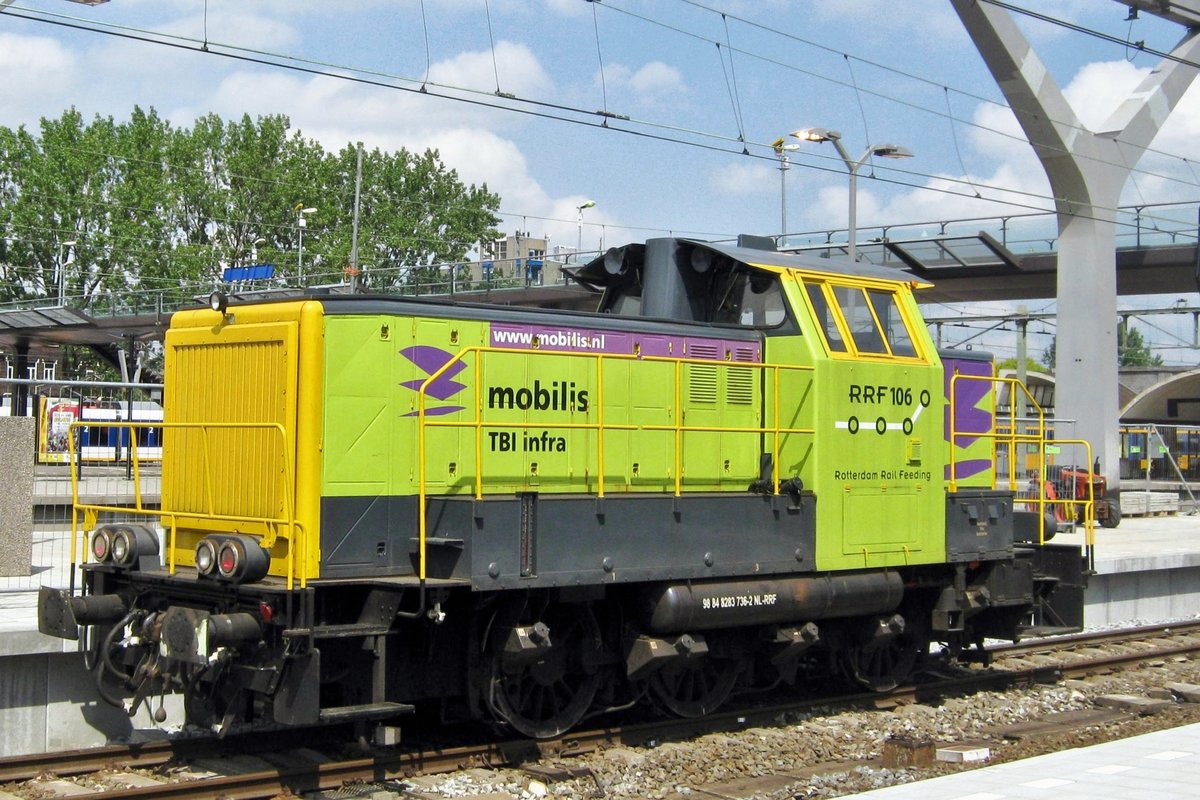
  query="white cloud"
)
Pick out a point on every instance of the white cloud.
point(657, 78)
point(519, 71)
point(264, 30)
point(743, 178)
point(1098, 89)
point(649, 84)
point(37, 69)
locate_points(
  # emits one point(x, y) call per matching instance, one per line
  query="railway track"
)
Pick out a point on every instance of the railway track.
point(1088, 653)
point(301, 771)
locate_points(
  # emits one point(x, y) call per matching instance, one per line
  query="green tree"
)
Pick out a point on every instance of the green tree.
point(1011, 363)
point(153, 208)
point(1132, 349)
point(1050, 354)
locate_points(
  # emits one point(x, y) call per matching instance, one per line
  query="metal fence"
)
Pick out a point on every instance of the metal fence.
point(103, 475)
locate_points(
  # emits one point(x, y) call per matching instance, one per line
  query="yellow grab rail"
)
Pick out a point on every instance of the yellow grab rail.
point(1038, 437)
point(284, 525)
point(678, 426)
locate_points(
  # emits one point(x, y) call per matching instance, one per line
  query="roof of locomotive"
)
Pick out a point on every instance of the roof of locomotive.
point(777, 261)
point(599, 271)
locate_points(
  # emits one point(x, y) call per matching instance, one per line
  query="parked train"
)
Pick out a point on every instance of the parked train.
point(101, 441)
point(745, 468)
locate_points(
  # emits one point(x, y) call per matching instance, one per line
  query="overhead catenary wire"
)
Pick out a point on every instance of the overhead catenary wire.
point(318, 68)
point(292, 63)
point(731, 81)
point(889, 97)
point(600, 61)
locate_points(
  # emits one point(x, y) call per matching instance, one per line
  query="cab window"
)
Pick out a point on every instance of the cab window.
point(748, 297)
point(826, 320)
point(860, 320)
point(888, 314)
point(871, 317)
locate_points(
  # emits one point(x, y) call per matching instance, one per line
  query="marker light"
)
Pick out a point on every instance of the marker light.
point(228, 559)
point(235, 558)
point(130, 545)
point(101, 545)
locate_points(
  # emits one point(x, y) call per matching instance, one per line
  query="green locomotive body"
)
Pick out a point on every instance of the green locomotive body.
point(744, 467)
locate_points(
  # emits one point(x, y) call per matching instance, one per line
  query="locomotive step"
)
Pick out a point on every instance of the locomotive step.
point(365, 711)
point(338, 631)
point(1035, 631)
point(437, 541)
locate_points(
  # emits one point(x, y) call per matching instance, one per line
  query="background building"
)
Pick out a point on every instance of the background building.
point(522, 258)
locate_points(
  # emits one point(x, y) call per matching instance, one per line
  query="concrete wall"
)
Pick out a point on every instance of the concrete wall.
point(16, 496)
point(1147, 596)
point(49, 701)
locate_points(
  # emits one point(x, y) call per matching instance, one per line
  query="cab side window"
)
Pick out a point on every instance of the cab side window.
point(826, 320)
point(888, 314)
point(748, 297)
point(859, 321)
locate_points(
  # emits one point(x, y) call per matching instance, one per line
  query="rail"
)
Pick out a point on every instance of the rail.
point(1137, 226)
point(1032, 436)
point(600, 426)
point(284, 525)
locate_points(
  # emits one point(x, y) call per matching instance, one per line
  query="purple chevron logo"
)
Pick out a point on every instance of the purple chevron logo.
point(429, 360)
point(969, 418)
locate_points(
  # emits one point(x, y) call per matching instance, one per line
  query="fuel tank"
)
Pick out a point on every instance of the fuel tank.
point(680, 607)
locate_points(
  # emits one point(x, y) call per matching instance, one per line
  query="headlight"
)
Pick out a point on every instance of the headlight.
point(123, 547)
point(235, 558)
point(206, 556)
point(127, 546)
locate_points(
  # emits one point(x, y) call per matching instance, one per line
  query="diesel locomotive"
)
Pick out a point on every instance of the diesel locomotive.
point(745, 468)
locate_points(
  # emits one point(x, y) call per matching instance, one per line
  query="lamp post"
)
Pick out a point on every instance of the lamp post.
point(63, 261)
point(254, 249)
point(781, 150)
point(301, 224)
point(881, 150)
point(579, 222)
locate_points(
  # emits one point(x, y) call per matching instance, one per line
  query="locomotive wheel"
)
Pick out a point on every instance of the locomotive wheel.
point(550, 696)
point(697, 688)
point(881, 667)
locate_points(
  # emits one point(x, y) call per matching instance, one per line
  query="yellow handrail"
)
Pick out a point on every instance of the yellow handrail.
point(1012, 438)
point(285, 525)
point(601, 426)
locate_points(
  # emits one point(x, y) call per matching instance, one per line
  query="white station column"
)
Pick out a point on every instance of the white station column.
point(1087, 171)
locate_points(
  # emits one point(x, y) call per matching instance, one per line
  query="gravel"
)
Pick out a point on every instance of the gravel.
point(801, 756)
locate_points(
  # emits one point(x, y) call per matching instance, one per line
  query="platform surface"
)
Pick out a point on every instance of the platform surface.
point(1164, 765)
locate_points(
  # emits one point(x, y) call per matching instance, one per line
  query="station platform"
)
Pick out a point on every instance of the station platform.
point(1164, 765)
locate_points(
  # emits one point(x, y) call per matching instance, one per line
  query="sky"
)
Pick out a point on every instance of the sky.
point(662, 112)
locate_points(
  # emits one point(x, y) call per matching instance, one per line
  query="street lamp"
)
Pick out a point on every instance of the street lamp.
point(254, 249)
point(301, 224)
point(579, 221)
point(63, 261)
point(781, 150)
point(881, 150)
